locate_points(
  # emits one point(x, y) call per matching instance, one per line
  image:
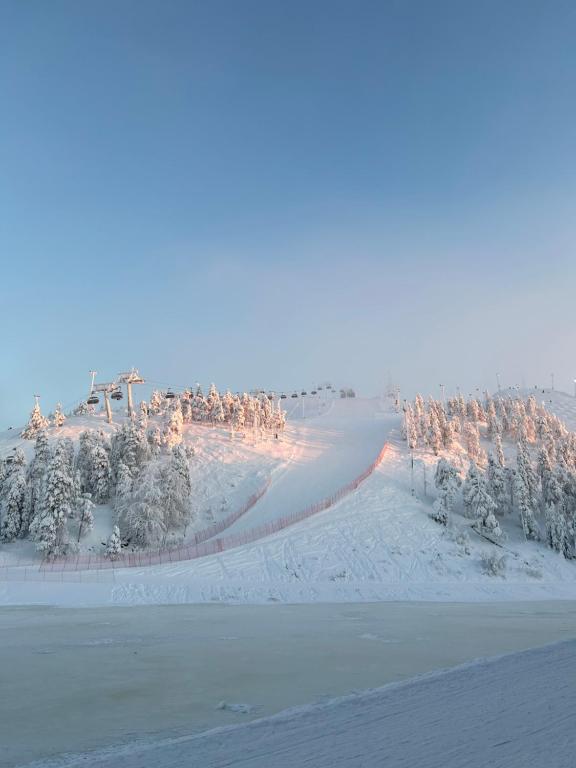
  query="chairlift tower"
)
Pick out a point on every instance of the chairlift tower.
point(106, 390)
point(129, 378)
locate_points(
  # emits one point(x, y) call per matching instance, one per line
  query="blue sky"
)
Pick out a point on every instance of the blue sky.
point(271, 193)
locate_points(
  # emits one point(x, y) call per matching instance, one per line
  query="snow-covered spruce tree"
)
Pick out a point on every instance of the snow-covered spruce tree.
point(473, 411)
point(228, 405)
point(472, 441)
point(172, 434)
point(82, 409)
point(524, 505)
point(434, 435)
point(35, 481)
point(525, 469)
point(154, 440)
point(544, 472)
point(49, 528)
point(114, 544)
point(237, 419)
point(143, 416)
point(13, 496)
point(447, 482)
point(217, 414)
point(144, 519)
point(470, 489)
point(101, 475)
point(497, 484)
point(279, 419)
point(557, 534)
point(479, 504)
point(499, 451)
point(84, 515)
point(411, 427)
point(177, 488)
point(58, 418)
point(36, 423)
point(124, 484)
point(129, 446)
point(93, 464)
point(156, 403)
point(186, 407)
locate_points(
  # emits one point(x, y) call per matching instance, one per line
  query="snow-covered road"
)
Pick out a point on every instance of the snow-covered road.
point(78, 680)
point(332, 449)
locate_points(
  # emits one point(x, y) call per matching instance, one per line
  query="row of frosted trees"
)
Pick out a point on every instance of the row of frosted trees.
point(237, 411)
point(536, 483)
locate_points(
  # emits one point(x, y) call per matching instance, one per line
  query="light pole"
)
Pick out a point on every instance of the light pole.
point(552, 381)
point(498, 381)
point(442, 390)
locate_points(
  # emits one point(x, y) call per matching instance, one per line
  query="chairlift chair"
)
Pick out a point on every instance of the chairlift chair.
point(169, 395)
point(93, 400)
point(117, 395)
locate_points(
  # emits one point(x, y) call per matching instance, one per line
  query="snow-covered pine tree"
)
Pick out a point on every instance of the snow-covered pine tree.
point(172, 434)
point(472, 441)
point(525, 469)
point(177, 488)
point(101, 474)
point(411, 427)
point(58, 418)
point(49, 527)
point(124, 483)
point(499, 451)
point(143, 416)
point(114, 544)
point(36, 423)
point(35, 481)
point(434, 434)
point(82, 409)
point(524, 505)
point(447, 482)
point(154, 440)
point(470, 489)
point(144, 519)
point(479, 504)
point(156, 403)
point(84, 515)
point(13, 497)
point(238, 418)
point(473, 411)
point(557, 534)
point(217, 413)
point(497, 484)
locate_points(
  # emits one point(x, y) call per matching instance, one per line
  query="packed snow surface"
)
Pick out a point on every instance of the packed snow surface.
point(76, 680)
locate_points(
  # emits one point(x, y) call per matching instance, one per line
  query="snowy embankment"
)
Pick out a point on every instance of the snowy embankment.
point(515, 711)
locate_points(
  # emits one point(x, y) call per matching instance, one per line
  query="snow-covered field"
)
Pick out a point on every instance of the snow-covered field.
point(75, 680)
point(504, 713)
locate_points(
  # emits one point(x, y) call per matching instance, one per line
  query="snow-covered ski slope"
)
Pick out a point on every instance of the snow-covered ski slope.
point(515, 711)
point(379, 543)
point(332, 449)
